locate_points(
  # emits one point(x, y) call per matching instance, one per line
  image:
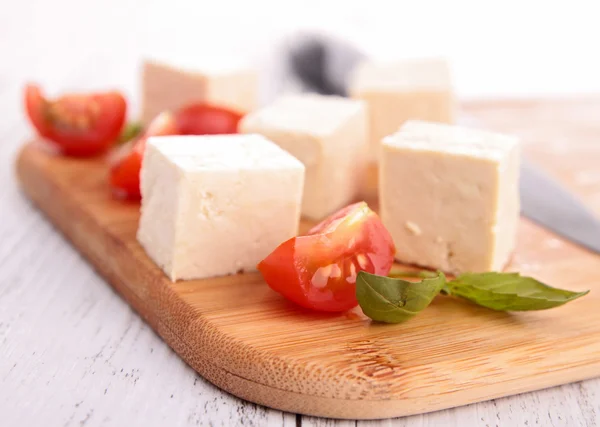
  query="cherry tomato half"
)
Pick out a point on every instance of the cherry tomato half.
point(204, 119)
point(125, 166)
point(195, 119)
point(79, 125)
point(318, 271)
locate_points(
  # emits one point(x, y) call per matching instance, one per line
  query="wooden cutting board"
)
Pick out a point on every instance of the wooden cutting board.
point(249, 341)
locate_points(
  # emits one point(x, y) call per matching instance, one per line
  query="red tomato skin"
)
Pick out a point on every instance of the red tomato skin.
point(125, 170)
point(318, 271)
point(34, 106)
point(87, 125)
point(125, 173)
point(206, 119)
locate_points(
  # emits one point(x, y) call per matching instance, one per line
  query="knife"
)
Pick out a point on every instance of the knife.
point(323, 65)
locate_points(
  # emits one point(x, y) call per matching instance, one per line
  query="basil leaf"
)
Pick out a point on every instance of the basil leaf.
point(130, 131)
point(509, 292)
point(392, 300)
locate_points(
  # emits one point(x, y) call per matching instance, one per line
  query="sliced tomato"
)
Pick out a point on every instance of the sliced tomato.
point(204, 119)
point(194, 119)
point(124, 172)
point(79, 125)
point(318, 271)
point(126, 165)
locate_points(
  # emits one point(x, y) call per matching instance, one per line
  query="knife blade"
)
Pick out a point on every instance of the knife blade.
point(323, 65)
point(548, 203)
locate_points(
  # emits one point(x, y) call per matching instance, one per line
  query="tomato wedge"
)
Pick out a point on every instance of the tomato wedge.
point(126, 165)
point(194, 119)
point(204, 119)
point(318, 271)
point(79, 125)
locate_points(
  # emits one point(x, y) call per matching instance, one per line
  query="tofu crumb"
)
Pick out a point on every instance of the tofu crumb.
point(414, 229)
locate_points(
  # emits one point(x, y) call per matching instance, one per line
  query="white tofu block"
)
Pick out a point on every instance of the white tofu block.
point(449, 196)
point(326, 133)
point(216, 205)
point(417, 89)
point(170, 86)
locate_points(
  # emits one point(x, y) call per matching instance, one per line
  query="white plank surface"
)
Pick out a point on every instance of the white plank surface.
point(72, 353)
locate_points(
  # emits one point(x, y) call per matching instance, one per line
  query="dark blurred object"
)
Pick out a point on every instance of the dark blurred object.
point(323, 64)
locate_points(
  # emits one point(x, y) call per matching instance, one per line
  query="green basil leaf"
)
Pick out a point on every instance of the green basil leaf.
point(392, 300)
point(130, 131)
point(509, 292)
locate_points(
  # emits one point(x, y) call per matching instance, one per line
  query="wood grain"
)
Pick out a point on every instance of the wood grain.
point(247, 340)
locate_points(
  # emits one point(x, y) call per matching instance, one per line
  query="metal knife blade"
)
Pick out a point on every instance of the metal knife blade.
point(548, 203)
point(324, 64)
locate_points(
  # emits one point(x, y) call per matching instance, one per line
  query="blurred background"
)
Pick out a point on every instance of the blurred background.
point(509, 48)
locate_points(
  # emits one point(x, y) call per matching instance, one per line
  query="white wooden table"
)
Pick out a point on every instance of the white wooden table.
point(72, 352)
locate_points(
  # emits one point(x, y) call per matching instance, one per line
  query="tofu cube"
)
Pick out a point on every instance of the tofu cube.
point(417, 89)
point(450, 196)
point(328, 135)
point(216, 205)
point(168, 87)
